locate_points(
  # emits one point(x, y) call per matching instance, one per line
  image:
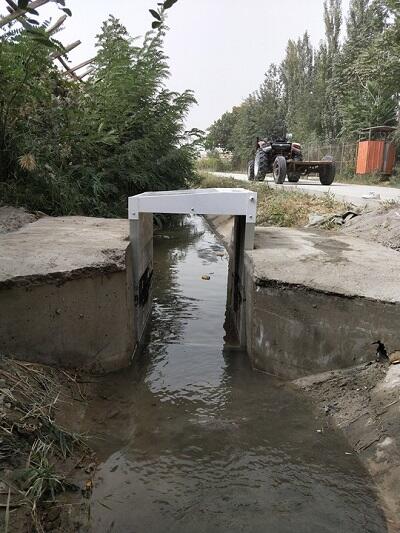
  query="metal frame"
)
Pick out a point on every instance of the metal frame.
point(241, 203)
point(196, 202)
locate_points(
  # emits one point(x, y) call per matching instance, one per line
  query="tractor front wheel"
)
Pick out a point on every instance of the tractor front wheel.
point(293, 178)
point(279, 169)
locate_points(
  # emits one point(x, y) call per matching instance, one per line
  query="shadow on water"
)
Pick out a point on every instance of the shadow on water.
point(192, 440)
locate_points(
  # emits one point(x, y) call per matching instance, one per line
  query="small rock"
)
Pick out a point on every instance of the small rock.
point(205, 277)
point(90, 468)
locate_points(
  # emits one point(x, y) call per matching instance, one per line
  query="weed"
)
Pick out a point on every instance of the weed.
point(386, 205)
point(40, 479)
point(280, 207)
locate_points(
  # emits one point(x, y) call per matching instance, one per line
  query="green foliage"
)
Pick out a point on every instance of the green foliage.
point(213, 162)
point(327, 93)
point(73, 148)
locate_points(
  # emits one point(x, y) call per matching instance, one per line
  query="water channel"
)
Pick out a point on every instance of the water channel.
point(194, 441)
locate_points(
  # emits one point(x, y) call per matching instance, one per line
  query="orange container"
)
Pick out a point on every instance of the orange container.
point(375, 156)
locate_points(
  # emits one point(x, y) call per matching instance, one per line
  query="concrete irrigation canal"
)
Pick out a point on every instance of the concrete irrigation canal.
point(251, 403)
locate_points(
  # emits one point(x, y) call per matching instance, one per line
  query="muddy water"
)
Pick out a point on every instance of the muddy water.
point(192, 440)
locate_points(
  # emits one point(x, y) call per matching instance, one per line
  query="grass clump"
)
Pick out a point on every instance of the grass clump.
point(39, 479)
point(34, 448)
point(280, 207)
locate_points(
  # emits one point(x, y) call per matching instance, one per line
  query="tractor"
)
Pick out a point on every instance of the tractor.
point(282, 157)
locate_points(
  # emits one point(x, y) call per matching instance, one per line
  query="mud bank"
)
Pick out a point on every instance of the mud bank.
point(364, 402)
point(66, 292)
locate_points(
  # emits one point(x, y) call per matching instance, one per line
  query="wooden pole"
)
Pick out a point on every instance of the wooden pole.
point(68, 48)
point(66, 66)
point(81, 65)
point(89, 71)
point(20, 12)
point(56, 25)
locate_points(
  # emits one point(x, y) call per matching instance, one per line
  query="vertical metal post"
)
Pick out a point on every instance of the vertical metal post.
point(141, 239)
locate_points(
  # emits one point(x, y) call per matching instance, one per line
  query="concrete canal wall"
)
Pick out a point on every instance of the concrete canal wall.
point(66, 293)
point(313, 301)
point(316, 301)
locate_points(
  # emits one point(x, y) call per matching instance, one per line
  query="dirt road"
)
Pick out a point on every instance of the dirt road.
point(342, 191)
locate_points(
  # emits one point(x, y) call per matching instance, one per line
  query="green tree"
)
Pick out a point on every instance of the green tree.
point(68, 148)
point(367, 90)
point(325, 95)
point(297, 71)
point(220, 133)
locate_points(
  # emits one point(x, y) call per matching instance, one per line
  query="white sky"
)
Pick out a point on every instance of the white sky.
point(219, 48)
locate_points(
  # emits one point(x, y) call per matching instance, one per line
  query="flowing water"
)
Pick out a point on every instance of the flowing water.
point(193, 440)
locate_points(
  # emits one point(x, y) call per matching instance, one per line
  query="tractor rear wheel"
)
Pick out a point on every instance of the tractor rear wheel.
point(279, 169)
point(260, 165)
point(250, 170)
point(327, 172)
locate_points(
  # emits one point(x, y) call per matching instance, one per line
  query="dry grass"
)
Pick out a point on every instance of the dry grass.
point(32, 443)
point(374, 179)
point(280, 207)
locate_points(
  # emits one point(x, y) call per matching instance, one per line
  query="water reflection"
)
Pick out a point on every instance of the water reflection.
point(200, 442)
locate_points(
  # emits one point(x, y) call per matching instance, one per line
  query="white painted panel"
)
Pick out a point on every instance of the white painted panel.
point(196, 201)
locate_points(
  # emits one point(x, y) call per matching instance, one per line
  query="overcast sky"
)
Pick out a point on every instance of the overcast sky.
point(218, 48)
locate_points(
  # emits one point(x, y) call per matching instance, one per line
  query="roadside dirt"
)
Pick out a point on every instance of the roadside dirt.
point(381, 225)
point(47, 468)
point(364, 402)
point(14, 218)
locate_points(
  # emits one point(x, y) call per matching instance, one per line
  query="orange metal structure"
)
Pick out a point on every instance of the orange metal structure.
point(376, 155)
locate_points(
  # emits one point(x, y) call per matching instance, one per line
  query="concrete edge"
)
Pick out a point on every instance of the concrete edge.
point(58, 278)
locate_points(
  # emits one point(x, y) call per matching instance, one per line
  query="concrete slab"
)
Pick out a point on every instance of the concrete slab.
point(328, 262)
point(66, 293)
point(60, 248)
point(316, 301)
